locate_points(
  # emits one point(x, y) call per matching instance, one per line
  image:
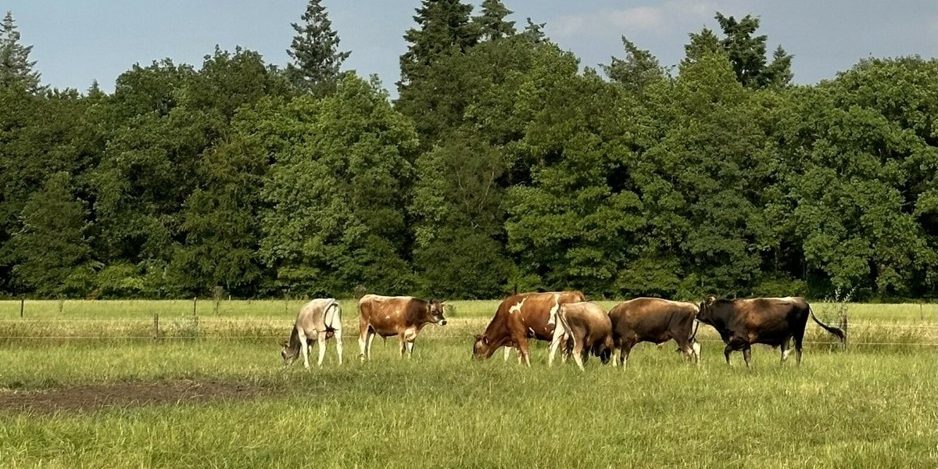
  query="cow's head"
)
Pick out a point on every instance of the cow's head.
point(288, 354)
point(435, 312)
point(482, 348)
point(705, 313)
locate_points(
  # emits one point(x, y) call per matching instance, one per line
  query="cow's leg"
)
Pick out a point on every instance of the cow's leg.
point(523, 356)
point(734, 343)
point(403, 344)
point(696, 348)
point(799, 341)
point(363, 339)
point(578, 352)
point(685, 348)
point(410, 349)
point(555, 342)
point(304, 349)
point(338, 344)
point(783, 350)
point(747, 354)
point(370, 340)
point(321, 343)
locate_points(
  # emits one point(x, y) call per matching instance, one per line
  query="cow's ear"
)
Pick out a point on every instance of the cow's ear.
point(711, 300)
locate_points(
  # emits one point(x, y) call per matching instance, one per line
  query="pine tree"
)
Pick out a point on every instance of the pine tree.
point(702, 43)
point(491, 23)
point(15, 66)
point(534, 31)
point(636, 70)
point(443, 26)
point(315, 50)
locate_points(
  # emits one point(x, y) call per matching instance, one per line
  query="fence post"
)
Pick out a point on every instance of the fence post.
point(156, 327)
point(195, 301)
point(22, 306)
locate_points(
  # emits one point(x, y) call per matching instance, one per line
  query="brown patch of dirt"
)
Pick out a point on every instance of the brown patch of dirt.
point(132, 394)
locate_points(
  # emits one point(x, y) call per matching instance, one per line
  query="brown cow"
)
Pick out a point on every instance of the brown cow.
point(403, 316)
point(654, 320)
point(589, 328)
point(770, 321)
point(523, 316)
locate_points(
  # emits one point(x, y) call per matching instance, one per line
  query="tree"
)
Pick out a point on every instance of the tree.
point(491, 23)
point(15, 67)
point(336, 194)
point(636, 71)
point(315, 50)
point(51, 250)
point(443, 26)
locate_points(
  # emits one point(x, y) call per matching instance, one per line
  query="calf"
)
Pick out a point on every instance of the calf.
point(654, 320)
point(317, 320)
point(770, 321)
point(589, 329)
point(403, 316)
point(523, 316)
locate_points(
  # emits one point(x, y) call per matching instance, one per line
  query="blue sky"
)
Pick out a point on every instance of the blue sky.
point(75, 42)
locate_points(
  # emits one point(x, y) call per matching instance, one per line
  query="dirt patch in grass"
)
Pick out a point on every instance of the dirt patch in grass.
point(132, 394)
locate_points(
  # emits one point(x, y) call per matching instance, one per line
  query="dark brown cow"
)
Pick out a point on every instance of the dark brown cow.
point(588, 328)
point(523, 316)
point(770, 321)
point(654, 320)
point(403, 316)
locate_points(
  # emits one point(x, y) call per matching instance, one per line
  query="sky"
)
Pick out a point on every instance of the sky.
point(76, 42)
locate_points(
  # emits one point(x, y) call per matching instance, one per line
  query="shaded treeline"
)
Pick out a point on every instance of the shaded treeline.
point(503, 165)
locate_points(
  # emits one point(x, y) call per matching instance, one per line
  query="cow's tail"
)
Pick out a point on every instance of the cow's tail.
point(693, 335)
point(835, 331)
point(562, 318)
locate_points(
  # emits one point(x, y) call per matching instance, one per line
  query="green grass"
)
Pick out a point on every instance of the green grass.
point(870, 406)
point(206, 308)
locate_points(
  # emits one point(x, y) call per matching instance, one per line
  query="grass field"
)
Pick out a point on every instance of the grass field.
point(212, 392)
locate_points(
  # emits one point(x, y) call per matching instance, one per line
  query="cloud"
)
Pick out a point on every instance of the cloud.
point(665, 17)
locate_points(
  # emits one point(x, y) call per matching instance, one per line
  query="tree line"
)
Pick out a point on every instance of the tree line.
point(504, 165)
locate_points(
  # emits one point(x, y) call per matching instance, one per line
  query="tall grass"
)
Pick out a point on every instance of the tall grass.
point(840, 409)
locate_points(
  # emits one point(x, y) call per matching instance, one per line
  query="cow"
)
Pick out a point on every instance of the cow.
point(770, 321)
point(654, 320)
point(523, 316)
point(317, 321)
point(403, 316)
point(588, 328)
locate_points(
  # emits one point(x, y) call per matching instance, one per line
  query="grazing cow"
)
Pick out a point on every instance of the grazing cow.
point(403, 316)
point(589, 328)
point(317, 321)
point(523, 316)
point(770, 321)
point(657, 321)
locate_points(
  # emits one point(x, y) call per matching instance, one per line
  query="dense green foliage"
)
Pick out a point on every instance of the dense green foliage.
point(503, 165)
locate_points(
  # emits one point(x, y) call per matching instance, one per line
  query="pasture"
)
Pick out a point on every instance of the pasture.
point(87, 383)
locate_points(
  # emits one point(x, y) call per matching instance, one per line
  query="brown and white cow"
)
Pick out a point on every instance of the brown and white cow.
point(770, 321)
point(521, 317)
point(403, 316)
point(588, 328)
point(654, 320)
point(318, 320)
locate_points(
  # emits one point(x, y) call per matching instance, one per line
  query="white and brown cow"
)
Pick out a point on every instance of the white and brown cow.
point(654, 320)
point(317, 321)
point(589, 330)
point(523, 316)
point(403, 316)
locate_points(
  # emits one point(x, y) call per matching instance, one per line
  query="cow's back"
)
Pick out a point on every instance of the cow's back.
point(387, 315)
point(588, 319)
point(652, 319)
point(319, 314)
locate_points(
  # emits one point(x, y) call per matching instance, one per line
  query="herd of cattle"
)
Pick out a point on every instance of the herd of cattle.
point(566, 320)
